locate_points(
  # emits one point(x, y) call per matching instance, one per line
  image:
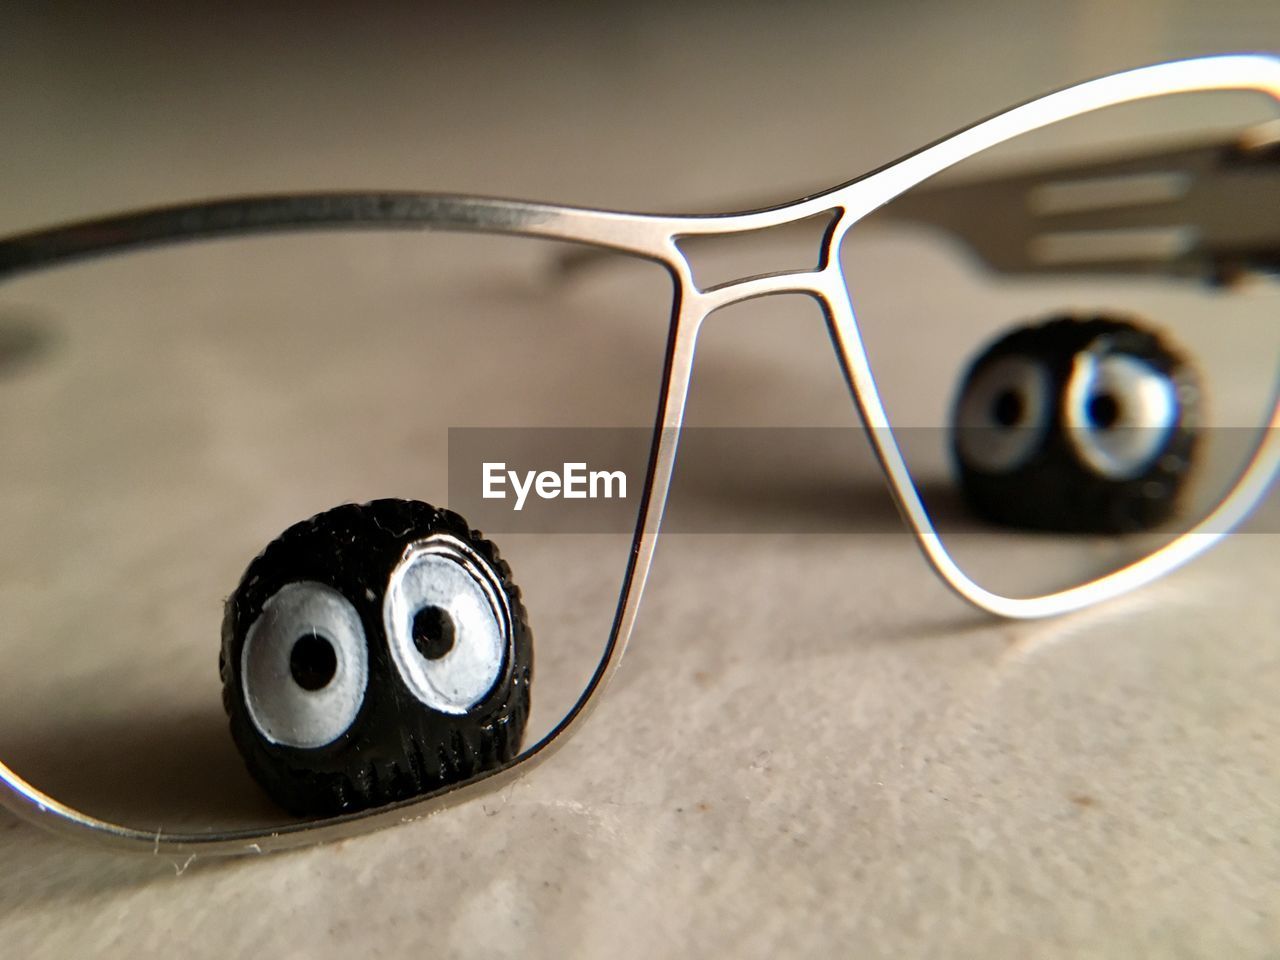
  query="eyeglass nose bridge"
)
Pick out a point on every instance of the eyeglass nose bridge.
point(733, 265)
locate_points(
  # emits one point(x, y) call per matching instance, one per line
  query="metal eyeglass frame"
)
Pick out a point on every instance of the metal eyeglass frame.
point(658, 238)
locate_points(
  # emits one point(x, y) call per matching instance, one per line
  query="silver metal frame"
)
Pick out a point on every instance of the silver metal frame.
point(657, 238)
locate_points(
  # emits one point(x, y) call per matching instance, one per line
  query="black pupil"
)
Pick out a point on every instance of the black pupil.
point(1104, 410)
point(1007, 408)
point(433, 632)
point(312, 662)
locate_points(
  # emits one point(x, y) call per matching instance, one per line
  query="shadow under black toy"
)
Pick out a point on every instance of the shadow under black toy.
point(1076, 424)
point(373, 653)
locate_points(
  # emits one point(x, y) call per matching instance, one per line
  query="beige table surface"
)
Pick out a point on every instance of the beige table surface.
point(794, 761)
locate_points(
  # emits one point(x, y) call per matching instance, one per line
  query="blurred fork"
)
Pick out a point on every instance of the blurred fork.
point(1205, 210)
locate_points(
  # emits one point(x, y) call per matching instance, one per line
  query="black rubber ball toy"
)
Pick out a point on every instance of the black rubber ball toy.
point(373, 653)
point(1078, 424)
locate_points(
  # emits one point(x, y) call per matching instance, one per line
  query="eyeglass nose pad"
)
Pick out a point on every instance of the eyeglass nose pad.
point(721, 259)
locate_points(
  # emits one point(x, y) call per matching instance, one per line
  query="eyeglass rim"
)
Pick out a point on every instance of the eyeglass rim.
point(656, 237)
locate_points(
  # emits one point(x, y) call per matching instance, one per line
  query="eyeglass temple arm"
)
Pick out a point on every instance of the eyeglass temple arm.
point(241, 216)
point(1209, 210)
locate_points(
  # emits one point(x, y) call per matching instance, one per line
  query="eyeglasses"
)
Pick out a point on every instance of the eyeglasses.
point(1058, 327)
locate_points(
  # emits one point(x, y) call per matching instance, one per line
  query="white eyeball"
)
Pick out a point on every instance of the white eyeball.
point(1002, 415)
point(304, 666)
point(1119, 413)
point(447, 623)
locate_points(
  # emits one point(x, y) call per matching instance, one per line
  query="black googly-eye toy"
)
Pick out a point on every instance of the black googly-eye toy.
point(373, 653)
point(1078, 424)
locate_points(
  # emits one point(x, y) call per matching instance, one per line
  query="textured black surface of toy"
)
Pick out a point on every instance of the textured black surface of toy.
point(1077, 424)
point(373, 653)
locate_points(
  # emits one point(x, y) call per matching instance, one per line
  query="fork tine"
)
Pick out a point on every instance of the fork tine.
point(1210, 210)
